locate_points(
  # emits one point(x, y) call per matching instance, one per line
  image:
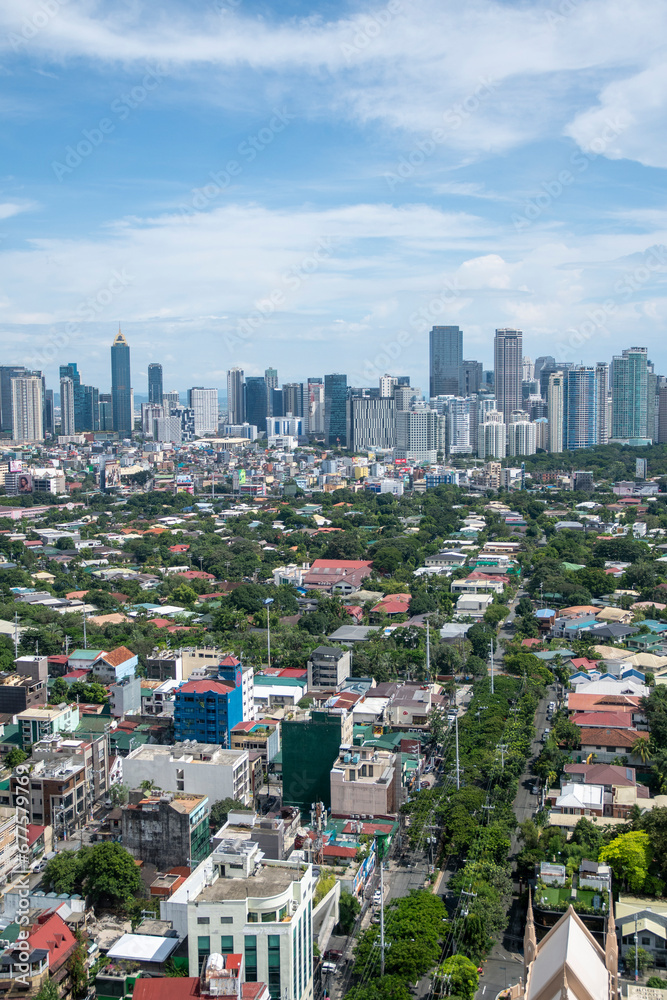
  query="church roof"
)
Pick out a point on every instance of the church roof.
point(570, 960)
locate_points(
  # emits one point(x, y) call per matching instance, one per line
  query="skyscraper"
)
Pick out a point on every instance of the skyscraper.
point(371, 422)
point(67, 406)
point(335, 412)
point(521, 438)
point(602, 380)
point(204, 404)
point(629, 393)
point(28, 408)
point(470, 377)
point(235, 400)
point(508, 368)
point(556, 411)
point(581, 408)
point(256, 402)
point(387, 383)
point(445, 357)
point(121, 385)
point(492, 436)
point(316, 407)
point(7, 373)
point(417, 434)
point(155, 384)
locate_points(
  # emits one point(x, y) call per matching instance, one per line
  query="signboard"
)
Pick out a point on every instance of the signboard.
point(25, 482)
point(110, 476)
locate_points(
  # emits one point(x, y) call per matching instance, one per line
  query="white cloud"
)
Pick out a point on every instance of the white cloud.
point(11, 208)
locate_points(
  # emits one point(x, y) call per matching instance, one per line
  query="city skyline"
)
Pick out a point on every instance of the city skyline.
point(310, 181)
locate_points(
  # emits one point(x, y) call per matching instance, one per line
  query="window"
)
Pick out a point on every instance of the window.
point(203, 920)
point(226, 944)
point(253, 918)
point(226, 920)
point(203, 950)
point(250, 958)
point(269, 918)
point(646, 940)
point(274, 966)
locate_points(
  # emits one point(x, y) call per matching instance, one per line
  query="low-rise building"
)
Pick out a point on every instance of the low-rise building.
point(473, 605)
point(166, 829)
point(10, 857)
point(58, 795)
point(110, 668)
point(36, 723)
point(328, 667)
point(364, 783)
point(235, 903)
point(262, 736)
point(197, 768)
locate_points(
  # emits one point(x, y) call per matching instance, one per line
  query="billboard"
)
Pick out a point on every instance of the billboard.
point(15, 466)
point(25, 482)
point(110, 476)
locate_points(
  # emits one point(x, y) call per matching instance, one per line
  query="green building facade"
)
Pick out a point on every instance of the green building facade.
point(309, 749)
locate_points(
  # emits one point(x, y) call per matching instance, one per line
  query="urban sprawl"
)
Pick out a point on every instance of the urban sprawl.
point(313, 690)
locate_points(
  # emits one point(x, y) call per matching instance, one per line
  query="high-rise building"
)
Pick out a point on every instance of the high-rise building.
point(316, 408)
point(121, 386)
point(295, 399)
point(458, 427)
point(235, 396)
point(67, 425)
point(556, 411)
point(406, 395)
point(492, 435)
point(581, 408)
point(155, 384)
point(662, 414)
point(651, 403)
point(602, 380)
point(204, 403)
point(256, 402)
point(508, 368)
point(335, 410)
point(445, 357)
point(28, 408)
point(470, 377)
point(106, 412)
point(7, 373)
point(90, 408)
point(171, 399)
point(371, 423)
point(49, 417)
point(271, 379)
point(387, 384)
point(629, 393)
point(417, 435)
point(150, 414)
point(521, 438)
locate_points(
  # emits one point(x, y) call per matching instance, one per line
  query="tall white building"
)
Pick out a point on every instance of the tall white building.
point(556, 411)
point(492, 436)
point(417, 435)
point(316, 406)
point(521, 438)
point(602, 380)
point(27, 409)
point(508, 368)
point(150, 414)
point(204, 402)
point(458, 421)
point(235, 396)
point(387, 384)
point(371, 423)
point(67, 406)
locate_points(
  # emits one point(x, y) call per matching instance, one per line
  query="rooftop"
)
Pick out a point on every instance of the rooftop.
point(270, 880)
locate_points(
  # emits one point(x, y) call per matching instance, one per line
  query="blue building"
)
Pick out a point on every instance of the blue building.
point(580, 408)
point(335, 411)
point(121, 386)
point(208, 710)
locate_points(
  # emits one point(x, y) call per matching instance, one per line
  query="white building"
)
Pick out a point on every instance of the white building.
point(556, 411)
point(200, 768)
point(234, 902)
point(67, 406)
point(27, 408)
point(289, 426)
point(492, 436)
point(292, 574)
point(521, 438)
point(473, 605)
point(204, 402)
point(417, 435)
point(246, 430)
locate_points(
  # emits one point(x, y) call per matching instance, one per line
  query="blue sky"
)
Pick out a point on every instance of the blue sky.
point(314, 186)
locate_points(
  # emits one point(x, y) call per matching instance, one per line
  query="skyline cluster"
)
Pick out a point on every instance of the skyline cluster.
point(318, 182)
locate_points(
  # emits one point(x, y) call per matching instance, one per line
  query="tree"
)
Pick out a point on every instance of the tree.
point(15, 757)
point(76, 966)
point(384, 988)
point(63, 873)
point(59, 691)
point(642, 748)
point(348, 909)
point(221, 809)
point(456, 976)
point(48, 991)
point(644, 960)
point(119, 794)
point(629, 857)
point(110, 874)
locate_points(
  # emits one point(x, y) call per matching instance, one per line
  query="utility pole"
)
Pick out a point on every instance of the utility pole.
point(458, 772)
point(382, 918)
point(85, 638)
point(502, 748)
point(428, 652)
point(492, 666)
point(636, 953)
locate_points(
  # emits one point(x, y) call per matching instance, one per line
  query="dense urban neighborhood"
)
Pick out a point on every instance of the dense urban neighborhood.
point(420, 734)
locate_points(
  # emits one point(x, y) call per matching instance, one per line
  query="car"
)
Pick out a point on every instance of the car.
point(552, 706)
point(328, 968)
point(535, 790)
point(333, 955)
point(377, 897)
point(108, 804)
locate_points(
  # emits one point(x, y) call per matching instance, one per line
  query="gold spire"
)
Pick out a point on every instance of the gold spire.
point(120, 339)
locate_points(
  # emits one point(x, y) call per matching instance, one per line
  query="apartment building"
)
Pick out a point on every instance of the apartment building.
point(167, 829)
point(195, 768)
point(364, 783)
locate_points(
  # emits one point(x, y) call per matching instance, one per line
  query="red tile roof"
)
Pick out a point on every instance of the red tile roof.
point(336, 851)
point(606, 720)
point(54, 936)
point(608, 737)
point(201, 687)
point(342, 564)
point(117, 656)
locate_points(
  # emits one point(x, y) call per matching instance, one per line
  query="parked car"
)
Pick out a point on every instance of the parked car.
point(535, 790)
point(377, 897)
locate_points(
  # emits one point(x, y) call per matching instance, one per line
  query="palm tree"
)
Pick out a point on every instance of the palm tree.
point(642, 748)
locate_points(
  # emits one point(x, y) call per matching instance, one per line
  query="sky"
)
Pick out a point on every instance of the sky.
point(313, 186)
